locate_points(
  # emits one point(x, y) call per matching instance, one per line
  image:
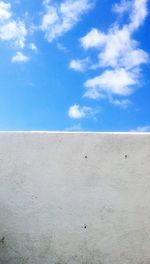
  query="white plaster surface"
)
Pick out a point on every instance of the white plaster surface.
point(74, 198)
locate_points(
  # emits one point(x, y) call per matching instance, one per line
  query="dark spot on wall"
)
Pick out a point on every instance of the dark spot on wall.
point(126, 156)
point(85, 226)
point(2, 240)
point(86, 157)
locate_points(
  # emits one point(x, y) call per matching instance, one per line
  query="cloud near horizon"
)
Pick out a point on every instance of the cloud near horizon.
point(141, 129)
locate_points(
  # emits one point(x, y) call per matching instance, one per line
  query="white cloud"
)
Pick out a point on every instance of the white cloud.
point(78, 112)
point(94, 39)
point(134, 58)
point(118, 82)
point(119, 54)
point(80, 65)
point(14, 31)
point(117, 48)
point(5, 12)
point(138, 14)
point(10, 29)
point(20, 57)
point(60, 18)
point(141, 129)
point(50, 18)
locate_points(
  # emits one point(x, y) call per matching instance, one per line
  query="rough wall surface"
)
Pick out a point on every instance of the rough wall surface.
point(71, 198)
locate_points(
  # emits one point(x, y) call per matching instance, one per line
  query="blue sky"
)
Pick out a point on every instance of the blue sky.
point(75, 65)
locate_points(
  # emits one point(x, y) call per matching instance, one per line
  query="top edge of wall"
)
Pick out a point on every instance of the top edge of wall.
point(72, 132)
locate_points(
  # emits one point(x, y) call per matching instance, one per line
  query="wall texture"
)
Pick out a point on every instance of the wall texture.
point(74, 198)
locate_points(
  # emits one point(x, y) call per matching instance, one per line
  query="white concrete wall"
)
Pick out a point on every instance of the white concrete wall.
point(71, 198)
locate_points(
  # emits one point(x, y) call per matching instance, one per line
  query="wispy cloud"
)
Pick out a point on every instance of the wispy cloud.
point(20, 57)
point(122, 103)
point(60, 18)
point(62, 48)
point(141, 129)
point(119, 55)
point(76, 127)
point(122, 7)
point(33, 47)
point(79, 112)
point(80, 65)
